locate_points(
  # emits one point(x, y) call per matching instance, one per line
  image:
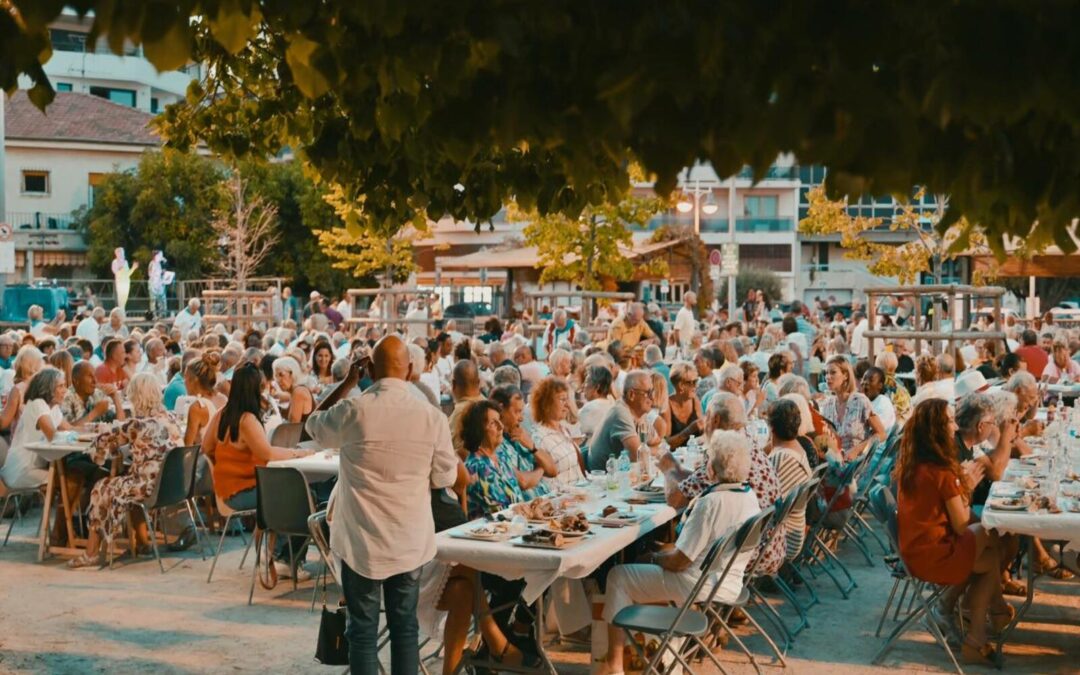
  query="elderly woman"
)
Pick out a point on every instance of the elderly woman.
point(494, 485)
point(531, 464)
point(1061, 366)
point(850, 412)
point(41, 419)
point(661, 401)
point(550, 404)
point(669, 574)
point(27, 363)
point(299, 400)
point(115, 328)
point(235, 443)
point(150, 433)
point(780, 364)
point(788, 457)
point(598, 399)
point(938, 543)
point(684, 415)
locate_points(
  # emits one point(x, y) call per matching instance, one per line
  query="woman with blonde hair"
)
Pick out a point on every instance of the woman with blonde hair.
point(28, 362)
point(683, 416)
point(655, 417)
point(150, 433)
point(901, 399)
point(63, 361)
point(200, 376)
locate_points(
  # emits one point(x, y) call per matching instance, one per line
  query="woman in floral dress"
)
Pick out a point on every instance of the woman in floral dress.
point(150, 434)
point(495, 485)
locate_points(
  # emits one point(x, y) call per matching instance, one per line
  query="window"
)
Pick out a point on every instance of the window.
point(35, 182)
point(775, 257)
point(94, 181)
point(761, 206)
point(63, 86)
point(121, 96)
point(153, 104)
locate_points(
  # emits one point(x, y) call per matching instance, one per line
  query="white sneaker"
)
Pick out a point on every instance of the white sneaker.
point(285, 572)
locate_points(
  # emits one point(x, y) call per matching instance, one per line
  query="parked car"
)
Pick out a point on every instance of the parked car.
point(468, 310)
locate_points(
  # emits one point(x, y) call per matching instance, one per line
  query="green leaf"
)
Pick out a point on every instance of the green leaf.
point(232, 27)
point(41, 95)
point(308, 79)
point(172, 50)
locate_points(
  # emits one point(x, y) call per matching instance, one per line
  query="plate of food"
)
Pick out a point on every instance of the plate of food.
point(1007, 490)
point(568, 525)
point(649, 492)
point(1008, 503)
point(545, 539)
point(539, 510)
point(484, 532)
point(612, 516)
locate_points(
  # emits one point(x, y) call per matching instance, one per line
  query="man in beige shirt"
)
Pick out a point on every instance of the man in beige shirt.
point(630, 328)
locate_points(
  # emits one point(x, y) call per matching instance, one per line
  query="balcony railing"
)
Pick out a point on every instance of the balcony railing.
point(764, 225)
point(40, 220)
point(774, 173)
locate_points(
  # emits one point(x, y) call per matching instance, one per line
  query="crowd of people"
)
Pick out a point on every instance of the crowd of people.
point(436, 427)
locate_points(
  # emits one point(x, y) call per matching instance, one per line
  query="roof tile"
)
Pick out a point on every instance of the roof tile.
point(78, 117)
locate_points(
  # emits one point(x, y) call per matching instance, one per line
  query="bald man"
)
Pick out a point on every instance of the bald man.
point(465, 385)
point(396, 456)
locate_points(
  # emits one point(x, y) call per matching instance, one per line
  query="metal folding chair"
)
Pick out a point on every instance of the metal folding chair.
point(816, 550)
point(172, 488)
point(923, 594)
point(284, 505)
point(14, 494)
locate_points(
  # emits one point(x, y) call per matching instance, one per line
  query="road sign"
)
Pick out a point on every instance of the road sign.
point(714, 272)
point(731, 259)
point(714, 256)
point(663, 287)
point(6, 232)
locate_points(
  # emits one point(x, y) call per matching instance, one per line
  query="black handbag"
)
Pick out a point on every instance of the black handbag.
point(331, 648)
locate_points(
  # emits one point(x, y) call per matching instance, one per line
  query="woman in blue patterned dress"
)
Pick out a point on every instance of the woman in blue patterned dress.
point(493, 481)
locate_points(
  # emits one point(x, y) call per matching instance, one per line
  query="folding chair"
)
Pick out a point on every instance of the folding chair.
point(286, 435)
point(669, 623)
point(924, 594)
point(284, 505)
point(316, 522)
point(795, 500)
point(10, 494)
point(805, 493)
point(172, 488)
point(816, 550)
point(231, 517)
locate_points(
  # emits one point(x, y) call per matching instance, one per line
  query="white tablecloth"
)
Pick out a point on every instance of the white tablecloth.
point(540, 567)
point(1064, 526)
point(54, 451)
point(318, 467)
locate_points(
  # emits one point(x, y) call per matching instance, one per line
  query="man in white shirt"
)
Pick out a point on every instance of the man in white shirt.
point(88, 327)
point(417, 315)
point(155, 360)
point(859, 346)
point(685, 325)
point(188, 319)
point(395, 449)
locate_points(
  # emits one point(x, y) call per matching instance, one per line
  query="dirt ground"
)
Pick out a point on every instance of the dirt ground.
point(133, 619)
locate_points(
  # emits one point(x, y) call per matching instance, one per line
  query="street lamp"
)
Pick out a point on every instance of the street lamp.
point(690, 200)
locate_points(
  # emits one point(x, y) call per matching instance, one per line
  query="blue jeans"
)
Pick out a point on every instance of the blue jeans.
point(362, 599)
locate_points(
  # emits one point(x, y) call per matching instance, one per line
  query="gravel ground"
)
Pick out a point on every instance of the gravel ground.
point(133, 619)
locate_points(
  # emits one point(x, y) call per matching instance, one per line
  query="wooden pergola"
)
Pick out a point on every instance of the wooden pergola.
point(237, 307)
point(951, 294)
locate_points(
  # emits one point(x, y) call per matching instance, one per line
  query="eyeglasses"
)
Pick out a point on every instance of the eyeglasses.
point(644, 392)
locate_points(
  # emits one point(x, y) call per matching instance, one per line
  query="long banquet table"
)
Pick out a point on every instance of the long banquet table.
point(1063, 526)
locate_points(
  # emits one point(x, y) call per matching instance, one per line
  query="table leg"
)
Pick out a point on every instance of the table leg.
point(65, 503)
point(539, 628)
point(1023, 609)
point(43, 535)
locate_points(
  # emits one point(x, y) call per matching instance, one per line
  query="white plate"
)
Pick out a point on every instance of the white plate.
point(1002, 504)
point(565, 533)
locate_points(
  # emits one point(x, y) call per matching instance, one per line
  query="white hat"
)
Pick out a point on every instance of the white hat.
point(314, 294)
point(969, 382)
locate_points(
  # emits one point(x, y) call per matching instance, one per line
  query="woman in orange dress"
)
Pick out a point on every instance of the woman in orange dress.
point(939, 543)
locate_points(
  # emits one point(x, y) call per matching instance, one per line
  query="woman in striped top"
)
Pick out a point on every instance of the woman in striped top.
point(792, 469)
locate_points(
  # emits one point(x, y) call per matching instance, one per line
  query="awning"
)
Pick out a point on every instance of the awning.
point(52, 259)
point(495, 277)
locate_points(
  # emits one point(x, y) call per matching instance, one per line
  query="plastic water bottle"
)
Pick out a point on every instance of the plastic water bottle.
point(624, 470)
point(612, 469)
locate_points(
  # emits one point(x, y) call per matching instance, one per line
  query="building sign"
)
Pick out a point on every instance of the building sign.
point(7, 249)
point(731, 260)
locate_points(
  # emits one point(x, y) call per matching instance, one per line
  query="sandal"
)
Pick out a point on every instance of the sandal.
point(977, 654)
point(1050, 567)
point(83, 561)
point(1012, 587)
point(1000, 620)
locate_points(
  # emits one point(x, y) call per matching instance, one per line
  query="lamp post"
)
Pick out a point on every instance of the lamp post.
point(691, 201)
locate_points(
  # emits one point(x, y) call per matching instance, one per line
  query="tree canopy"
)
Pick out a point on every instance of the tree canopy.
point(422, 110)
